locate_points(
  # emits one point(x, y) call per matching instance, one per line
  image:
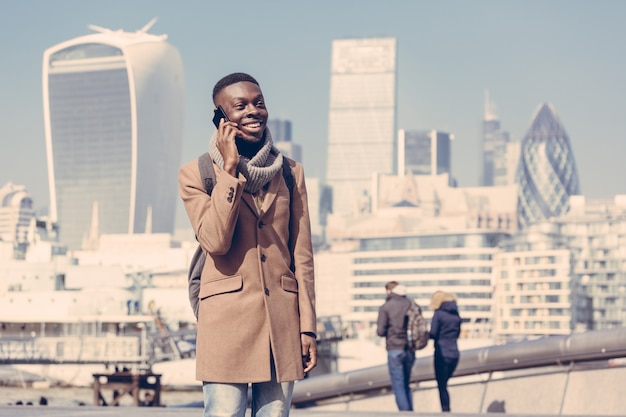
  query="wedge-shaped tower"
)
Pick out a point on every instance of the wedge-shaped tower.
point(361, 119)
point(546, 174)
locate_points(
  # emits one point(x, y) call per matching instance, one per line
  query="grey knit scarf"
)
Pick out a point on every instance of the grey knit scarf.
point(259, 170)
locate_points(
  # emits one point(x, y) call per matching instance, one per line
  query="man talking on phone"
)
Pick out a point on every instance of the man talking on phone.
point(256, 317)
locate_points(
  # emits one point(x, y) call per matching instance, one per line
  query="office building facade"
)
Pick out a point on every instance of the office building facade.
point(281, 136)
point(16, 215)
point(459, 262)
point(498, 165)
point(506, 167)
point(113, 116)
point(362, 118)
point(536, 293)
point(596, 234)
point(320, 201)
point(565, 274)
point(546, 174)
point(424, 152)
point(281, 130)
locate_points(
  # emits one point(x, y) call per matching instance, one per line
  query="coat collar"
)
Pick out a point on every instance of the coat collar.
point(270, 195)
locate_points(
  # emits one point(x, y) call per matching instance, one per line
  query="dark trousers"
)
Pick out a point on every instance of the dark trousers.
point(444, 368)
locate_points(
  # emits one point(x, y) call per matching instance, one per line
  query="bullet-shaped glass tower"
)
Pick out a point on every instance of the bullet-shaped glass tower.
point(546, 174)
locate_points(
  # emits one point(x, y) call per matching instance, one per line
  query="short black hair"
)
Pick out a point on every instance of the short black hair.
point(235, 77)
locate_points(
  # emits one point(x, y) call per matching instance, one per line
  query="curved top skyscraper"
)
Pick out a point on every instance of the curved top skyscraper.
point(113, 114)
point(546, 173)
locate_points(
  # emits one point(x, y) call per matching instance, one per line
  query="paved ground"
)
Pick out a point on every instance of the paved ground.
point(91, 411)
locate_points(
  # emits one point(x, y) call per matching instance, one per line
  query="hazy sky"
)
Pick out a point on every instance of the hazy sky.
point(570, 53)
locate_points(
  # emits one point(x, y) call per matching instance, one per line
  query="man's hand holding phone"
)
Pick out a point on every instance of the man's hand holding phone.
point(226, 133)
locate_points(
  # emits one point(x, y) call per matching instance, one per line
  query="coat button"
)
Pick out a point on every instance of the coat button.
point(263, 258)
point(267, 292)
point(261, 224)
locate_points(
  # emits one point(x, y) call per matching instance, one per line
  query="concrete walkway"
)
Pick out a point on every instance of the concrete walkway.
point(91, 411)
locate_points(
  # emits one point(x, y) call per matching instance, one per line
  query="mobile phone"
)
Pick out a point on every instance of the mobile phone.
point(219, 114)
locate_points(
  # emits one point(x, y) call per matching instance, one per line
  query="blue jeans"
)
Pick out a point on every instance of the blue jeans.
point(269, 399)
point(400, 363)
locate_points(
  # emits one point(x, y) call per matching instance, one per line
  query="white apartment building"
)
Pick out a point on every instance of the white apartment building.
point(535, 292)
point(22, 234)
point(457, 262)
point(596, 233)
point(16, 214)
point(566, 274)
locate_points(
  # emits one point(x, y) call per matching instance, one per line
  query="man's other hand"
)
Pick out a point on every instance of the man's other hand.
point(309, 352)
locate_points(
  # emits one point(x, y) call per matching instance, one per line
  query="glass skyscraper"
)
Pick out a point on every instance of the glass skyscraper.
point(546, 174)
point(362, 117)
point(281, 136)
point(113, 114)
point(495, 163)
point(424, 152)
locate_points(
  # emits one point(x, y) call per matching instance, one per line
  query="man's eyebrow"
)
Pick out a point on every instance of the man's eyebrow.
point(259, 96)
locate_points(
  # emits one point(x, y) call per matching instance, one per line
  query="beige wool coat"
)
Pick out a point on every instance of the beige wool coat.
point(251, 303)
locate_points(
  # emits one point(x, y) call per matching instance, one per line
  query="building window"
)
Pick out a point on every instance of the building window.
point(552, 298)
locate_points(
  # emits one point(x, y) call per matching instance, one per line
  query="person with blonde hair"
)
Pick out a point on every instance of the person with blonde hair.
point(445, 329)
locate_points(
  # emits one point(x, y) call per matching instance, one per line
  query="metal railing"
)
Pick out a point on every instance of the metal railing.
point(547, 351)
point(137, 349)
point(142, 348)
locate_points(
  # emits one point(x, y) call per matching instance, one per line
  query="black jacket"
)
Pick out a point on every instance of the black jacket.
point(445, 329)
point(392, 321)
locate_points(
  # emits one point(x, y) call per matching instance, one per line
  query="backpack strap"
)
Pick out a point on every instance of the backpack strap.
point(193, 278)
point(288, 176)
point(207, 172)
point(290, 181)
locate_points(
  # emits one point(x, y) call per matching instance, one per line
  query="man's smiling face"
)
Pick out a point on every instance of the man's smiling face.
point(244, 104)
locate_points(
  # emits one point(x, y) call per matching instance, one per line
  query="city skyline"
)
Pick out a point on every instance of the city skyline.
point(449, 53)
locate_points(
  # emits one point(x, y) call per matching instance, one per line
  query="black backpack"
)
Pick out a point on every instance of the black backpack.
point(417, 328)
point(207, 173)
